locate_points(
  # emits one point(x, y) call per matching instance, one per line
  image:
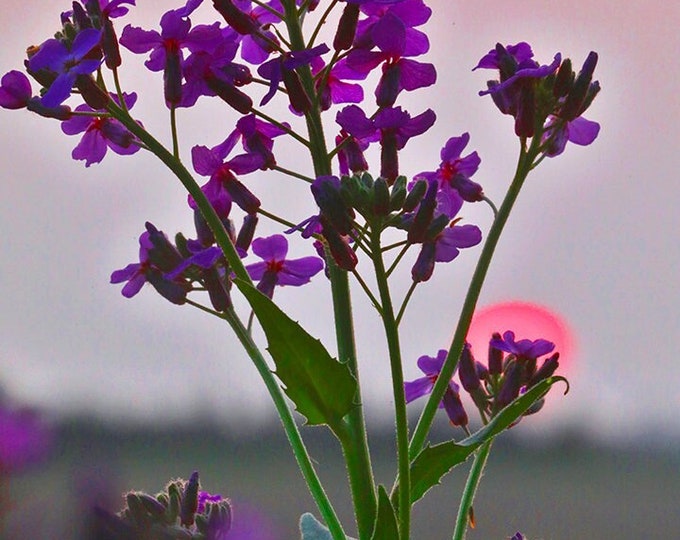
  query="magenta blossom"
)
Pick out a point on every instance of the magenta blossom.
point(275, 269)
point(453, 175)
point(100, 133)
point(24, 439)
point(424, 385)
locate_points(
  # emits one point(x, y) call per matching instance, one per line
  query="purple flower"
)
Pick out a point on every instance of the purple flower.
point(516, 92)
point(399, 73)
point(558, 132)
point(157, 257)
point(276, 269)
point(331, 86)
point(524, 348)
point(453, 175)
point(100, 133)
point(223, 184)
point(424, 385)
point(113, 9)
point(444, 248)
point(515, 63)
point(283, 69)
point(212, 73)
point(411, 13)
point(66, 63)
point(257, 137)
point(24, 439)
point(176, 34)
point(392, 126)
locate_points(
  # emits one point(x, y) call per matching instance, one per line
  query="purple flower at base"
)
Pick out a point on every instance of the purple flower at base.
point(518, 536)
point(66, 63)
point(24, 439)
point(424, 385)
point(276, 269)
point(100, 133)
point(558, 132)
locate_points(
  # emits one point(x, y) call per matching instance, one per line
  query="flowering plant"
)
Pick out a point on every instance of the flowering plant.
point(368, 218)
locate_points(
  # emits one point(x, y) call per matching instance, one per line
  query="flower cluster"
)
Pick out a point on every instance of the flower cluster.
point(493, 385)
point(24, 439)
point(182, 510)
point(547, 99)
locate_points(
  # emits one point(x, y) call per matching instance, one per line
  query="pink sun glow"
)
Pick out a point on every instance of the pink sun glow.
point(528, 321)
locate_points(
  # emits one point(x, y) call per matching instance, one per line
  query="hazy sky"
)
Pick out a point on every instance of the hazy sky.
point(594, 235)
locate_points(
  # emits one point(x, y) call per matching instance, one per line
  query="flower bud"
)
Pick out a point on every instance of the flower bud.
point(495, 357)
point(347, 27)
point(454, 407)
point(467, 371)
point(389, 85)
point(231, 95)
point(297, 95)
point(217, 290)
point(511, 385)
point(336, 211)
point(236, 19)
point(424, 266)
point(573, 103)
point(245, 235)
point(172, 76)
point(415, 195)
point(525, 121)
point(189, 501)
point(91, 92)
point(421, 221)
point(381, 197)
point(389, 156)
point(564, 79)
point(342, 253)
point(546, 370)
point(398, 194)
point(110, 46)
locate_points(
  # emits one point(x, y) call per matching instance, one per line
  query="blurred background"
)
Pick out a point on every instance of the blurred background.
point(140, 391)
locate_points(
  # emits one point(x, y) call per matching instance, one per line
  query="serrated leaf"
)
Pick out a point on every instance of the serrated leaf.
point(433, 462)
point(386, 522)
point(322, 388)
point(311, 529)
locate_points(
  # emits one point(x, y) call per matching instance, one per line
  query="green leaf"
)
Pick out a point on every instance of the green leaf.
point(311, 529)
point(322, 388)
point(386, 522)
point(433, 462)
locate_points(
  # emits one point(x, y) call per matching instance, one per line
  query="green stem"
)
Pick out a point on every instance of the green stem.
point(299, 450)
point(392, 336)
point(474, 476)
point(427, 416)
point(224, 241)
point(355, 445)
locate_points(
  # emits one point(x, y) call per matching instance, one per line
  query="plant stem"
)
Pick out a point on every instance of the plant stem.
point(474, 476)
point(355, 445)
point(289, 425)
point(392, 335)
point(224, 241)
point(524, 165)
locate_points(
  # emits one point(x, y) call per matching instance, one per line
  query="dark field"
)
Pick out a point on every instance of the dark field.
point(567, 490)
